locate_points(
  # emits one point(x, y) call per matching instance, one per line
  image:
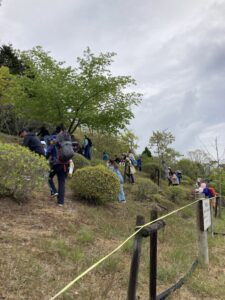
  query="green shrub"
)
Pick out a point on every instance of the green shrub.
point(163, 202)
point(96, 162)
point(21, 171)
point(152, 168)
point(80, 161)
point(186, 180)
point(178, 194)
point(145, 189)
point(96, 184)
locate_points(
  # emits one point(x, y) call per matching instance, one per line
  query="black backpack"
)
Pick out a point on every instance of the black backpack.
point(65, 152)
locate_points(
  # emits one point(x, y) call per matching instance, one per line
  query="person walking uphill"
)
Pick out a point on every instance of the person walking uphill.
point(87, 145)
point(61, 161)
point(31, 141)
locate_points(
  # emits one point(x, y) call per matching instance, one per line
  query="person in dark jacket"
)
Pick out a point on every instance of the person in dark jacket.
point(58, 168)
point(31, 141)
point(43, 133)
point(87, 146)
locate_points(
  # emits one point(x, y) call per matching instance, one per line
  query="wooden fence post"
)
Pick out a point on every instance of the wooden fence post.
point(153, 260)
point(211, 215)
point(135, 261)
point(202, 234)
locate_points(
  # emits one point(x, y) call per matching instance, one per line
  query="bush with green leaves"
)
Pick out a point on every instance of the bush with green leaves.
point(96, 162)
point(21, 171)
point(145, 189)
point(80, 161)
point(178, 194)
point(186, 180)
point(152, 168)
point(163, 202)
point(96, 184)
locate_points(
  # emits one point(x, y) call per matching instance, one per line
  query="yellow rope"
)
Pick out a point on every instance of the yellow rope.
point(119, 247)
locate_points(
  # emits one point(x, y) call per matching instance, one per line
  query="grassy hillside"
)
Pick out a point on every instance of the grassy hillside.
point(43, 247)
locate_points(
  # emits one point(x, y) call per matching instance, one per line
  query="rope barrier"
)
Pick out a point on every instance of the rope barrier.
point(179, 284)
point(119, 247)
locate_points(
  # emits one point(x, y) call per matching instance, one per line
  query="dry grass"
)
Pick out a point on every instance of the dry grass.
point(43, 247)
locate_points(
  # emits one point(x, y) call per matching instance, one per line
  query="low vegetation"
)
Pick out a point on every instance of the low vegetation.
point(97, 184)
point(21, 171)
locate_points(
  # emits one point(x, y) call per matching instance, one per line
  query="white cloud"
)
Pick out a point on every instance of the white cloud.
point(174, 49)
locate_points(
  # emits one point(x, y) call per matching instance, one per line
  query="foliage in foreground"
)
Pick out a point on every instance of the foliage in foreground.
point(146, 188)
point(21, 171)
point(80, 161)
point(95, 184)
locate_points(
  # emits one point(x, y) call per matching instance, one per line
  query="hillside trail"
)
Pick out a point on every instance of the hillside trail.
point(38, 220)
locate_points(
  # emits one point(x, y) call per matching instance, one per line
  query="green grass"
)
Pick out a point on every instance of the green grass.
point(38, 261)
point(85, 236)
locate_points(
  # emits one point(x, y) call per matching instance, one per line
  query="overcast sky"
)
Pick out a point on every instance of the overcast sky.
point(175, 49)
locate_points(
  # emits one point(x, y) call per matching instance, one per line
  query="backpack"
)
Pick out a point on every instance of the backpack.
point(65, 152)
point(134, 162)
point(212, 192)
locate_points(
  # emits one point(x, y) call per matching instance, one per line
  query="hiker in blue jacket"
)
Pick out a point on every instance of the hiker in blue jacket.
point(58, 167)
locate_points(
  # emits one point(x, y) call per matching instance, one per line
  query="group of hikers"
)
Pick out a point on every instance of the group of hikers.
point(174, 177)
point(128, 162)
point(85, 149)
point(204, 187)
point(59, 148)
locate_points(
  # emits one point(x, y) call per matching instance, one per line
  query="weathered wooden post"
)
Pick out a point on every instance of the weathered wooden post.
point(135, 261)
point(203, 223)
point(211, 216)
point(153, 260)
point(157, 177)
point(216, 208)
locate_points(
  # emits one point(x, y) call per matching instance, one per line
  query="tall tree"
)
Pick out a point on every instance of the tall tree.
point(10, 93)
point(10, 89)
point(147, 152)
point(131, 140)
point(159, 142)
point(9, 58)
point(88, 95)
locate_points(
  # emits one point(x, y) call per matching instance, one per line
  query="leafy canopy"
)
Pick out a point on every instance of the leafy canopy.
point(88, 96)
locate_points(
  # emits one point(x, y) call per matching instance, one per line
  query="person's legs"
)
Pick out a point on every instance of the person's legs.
point(51, 182)
point(131, 178)
point(87, 153)
point(61, 176)
point(121, 196)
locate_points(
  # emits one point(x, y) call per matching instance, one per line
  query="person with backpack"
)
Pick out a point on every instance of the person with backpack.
point(60, 156)
point(31, 141)
point(87, 146)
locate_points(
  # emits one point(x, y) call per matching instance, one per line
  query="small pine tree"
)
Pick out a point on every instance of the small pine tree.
point(147, 152)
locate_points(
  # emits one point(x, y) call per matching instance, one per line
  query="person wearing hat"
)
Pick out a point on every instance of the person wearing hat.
point(31, 141)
